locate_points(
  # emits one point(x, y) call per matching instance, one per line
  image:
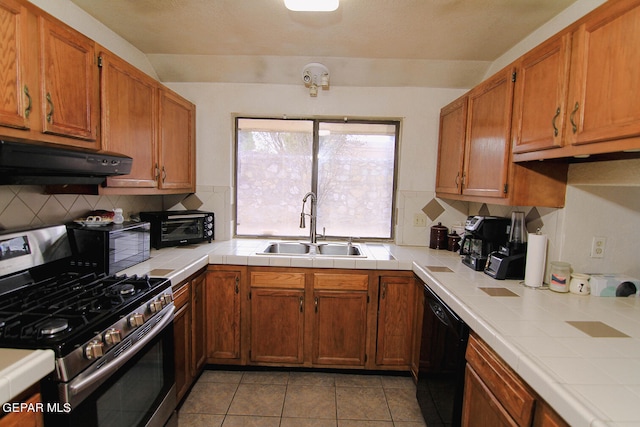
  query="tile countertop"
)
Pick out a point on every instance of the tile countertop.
point(20, 369)
point(589, 381)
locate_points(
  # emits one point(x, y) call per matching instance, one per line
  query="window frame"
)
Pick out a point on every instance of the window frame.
point(397, 123)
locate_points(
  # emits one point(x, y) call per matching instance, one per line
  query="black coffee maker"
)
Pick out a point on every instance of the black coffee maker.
point(483, 235)
point(508, 261)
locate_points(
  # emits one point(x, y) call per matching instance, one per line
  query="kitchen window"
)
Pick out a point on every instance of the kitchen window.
point(350, 165)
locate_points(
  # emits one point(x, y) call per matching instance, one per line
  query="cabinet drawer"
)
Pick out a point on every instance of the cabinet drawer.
point(181, 296)
point(347, 282)
point(260, 279)
point(507, 387)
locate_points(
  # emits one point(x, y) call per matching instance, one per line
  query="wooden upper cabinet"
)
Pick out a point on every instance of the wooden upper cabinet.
point(69, 79)
point(540, 106)
point(453, 124)
point(129, 102)
point(487, 145)
point(177, 142)
point(16, 102)
point(604, 86)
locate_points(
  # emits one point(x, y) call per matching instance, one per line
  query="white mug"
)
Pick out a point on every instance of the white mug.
point(580, 284)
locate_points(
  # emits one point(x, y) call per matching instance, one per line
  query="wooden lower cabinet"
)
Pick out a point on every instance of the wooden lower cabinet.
point(494, 395)
point(188, 332)
point(277, 325)
point(395, 320)
point(222, 313)
point(277, 316)
point(24, 418)
point(182, 339)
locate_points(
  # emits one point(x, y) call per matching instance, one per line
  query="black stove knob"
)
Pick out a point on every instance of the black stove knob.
point(94, 350)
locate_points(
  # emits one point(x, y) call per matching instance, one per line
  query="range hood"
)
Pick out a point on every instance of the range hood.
point(29, 164)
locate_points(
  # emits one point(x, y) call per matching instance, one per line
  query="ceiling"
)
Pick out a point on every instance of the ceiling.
point(438, 43)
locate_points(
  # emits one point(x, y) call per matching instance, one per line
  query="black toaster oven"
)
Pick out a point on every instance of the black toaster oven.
point(175, 228)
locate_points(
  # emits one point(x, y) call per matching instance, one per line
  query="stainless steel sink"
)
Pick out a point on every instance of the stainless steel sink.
point(289, 248)
point(339, 249)
point(308, 249)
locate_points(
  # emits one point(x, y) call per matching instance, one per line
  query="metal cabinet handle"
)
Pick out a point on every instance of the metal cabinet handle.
point(156, 172)
point(553, 122)
point(384, 290)
point(464, 179)
point(315, 303)
point(457, 179)
point(574, 127)
point(164, 174)
point(50, 113)
point(237, 285)
point(27, 110)
point(301, 304)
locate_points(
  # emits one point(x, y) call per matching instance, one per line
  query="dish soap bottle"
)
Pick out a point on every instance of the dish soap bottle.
point(117, 217)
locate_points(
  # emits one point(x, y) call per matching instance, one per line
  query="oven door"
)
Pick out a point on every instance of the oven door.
point(182, 229)
point(139, 392)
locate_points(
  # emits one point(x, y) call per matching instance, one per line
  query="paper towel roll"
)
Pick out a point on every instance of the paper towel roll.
point(536, 260)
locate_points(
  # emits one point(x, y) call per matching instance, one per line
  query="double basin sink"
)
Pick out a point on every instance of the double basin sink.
point(326, 249)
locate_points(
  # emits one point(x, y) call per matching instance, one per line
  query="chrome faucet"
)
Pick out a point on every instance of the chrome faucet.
point(312, 215)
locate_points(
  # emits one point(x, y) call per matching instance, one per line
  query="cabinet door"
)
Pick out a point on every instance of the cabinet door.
point(182, 341)
point(604, 88)
point(539, 106)
point(453, 124)
point(24, 418)
point(129, 101)
point(480, 408)
point(177, 142)
point(339, 328)
point(198, 332)
point(15, 105)
point(222, 298)
point(395, 320)
point(69, 83)
point(487, 148)
point(277, 325)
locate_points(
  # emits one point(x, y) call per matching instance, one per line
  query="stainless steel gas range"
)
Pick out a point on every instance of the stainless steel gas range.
point(112, 334)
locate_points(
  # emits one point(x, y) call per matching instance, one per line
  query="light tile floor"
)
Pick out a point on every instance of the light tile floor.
point(300, 399)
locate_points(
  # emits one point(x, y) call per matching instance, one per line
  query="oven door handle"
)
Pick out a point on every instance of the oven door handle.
point(80, 388)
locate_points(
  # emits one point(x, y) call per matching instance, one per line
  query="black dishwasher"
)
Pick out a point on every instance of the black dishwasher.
point(442, 362)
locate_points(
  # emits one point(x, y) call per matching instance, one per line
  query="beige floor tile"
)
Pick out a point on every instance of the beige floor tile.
point(308, 401)
point(250, 421)
point(410, 424)
point(357, 423)
point(392, 381)
point(265, 377)
point(199, 420)
point(264, 400)
point(312, 378)
point(355, 380)
point(231, 377)
point(200, 399)
point(362, 403)
point(307, 422)
point(403, 404)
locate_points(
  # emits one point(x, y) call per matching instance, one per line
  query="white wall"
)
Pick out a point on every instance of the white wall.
point(417, 108)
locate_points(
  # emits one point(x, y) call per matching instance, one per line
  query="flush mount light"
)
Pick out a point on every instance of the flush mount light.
point(312, 5)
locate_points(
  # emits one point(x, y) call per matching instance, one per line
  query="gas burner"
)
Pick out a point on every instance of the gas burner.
point(127, 289)
point(53, 326)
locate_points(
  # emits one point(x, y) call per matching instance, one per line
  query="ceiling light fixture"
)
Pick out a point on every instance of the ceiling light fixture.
point(314, 75)
point(312, 5)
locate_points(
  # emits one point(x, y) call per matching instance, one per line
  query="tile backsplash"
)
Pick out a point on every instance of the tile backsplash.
point(29, 206)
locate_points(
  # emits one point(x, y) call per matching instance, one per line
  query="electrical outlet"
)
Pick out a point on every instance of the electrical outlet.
point(598, 246)
point(419, 220)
